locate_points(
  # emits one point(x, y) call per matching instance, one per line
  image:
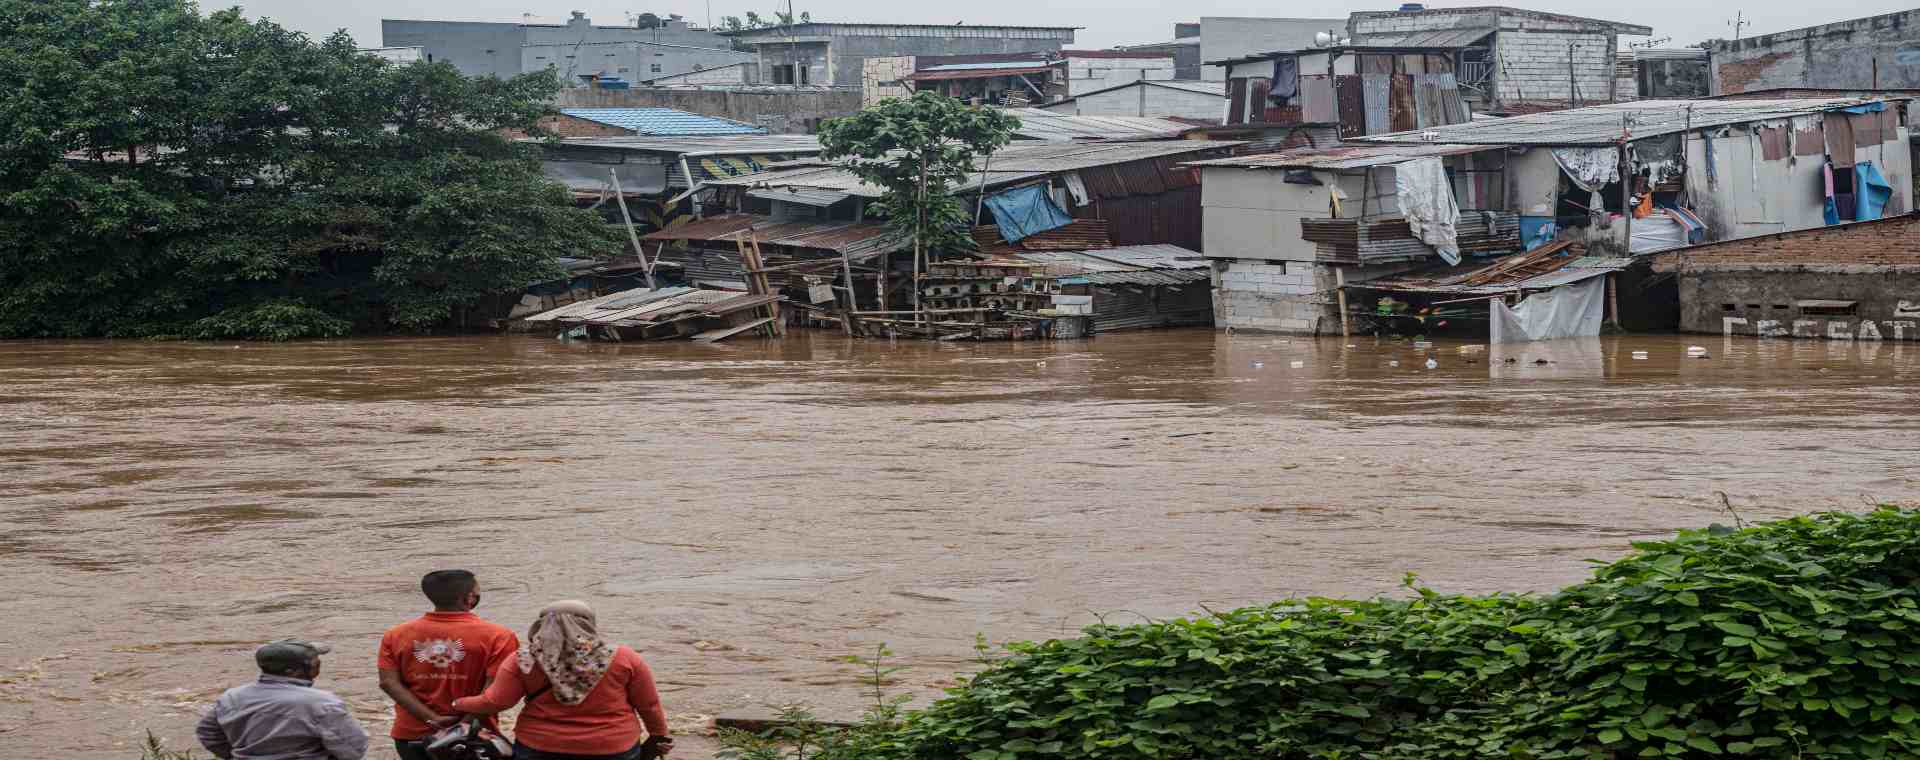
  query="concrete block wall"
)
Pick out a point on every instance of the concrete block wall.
point(1250, 294)
point(1874, 52)
point(1531, 66)
point(880, 78)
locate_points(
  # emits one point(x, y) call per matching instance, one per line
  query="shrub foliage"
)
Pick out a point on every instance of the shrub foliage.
point(1791, 639)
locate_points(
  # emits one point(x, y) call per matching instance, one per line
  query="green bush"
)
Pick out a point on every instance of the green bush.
point(1792, 639)
point(274, 320)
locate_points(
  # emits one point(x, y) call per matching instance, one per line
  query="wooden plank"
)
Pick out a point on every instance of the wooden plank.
point(724, 333)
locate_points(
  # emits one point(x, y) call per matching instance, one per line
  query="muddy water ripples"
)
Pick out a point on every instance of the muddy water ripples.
point(748, 514)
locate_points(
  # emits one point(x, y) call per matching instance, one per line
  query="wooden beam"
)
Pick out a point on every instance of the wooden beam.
point(632, 236)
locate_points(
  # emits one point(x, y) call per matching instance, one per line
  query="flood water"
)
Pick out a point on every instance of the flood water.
point(747, 514)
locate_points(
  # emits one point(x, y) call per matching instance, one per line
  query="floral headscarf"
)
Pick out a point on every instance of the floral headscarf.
point(566, 644)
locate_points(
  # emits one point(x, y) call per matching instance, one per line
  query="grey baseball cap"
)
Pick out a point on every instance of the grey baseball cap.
point(279, 655)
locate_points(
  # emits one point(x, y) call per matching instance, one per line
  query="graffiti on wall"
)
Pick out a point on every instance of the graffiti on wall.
point(1831, 329)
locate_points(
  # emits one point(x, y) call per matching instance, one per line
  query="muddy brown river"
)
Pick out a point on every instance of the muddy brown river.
point(748, 514)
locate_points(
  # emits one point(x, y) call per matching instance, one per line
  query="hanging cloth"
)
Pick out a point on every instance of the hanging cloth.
point(1426, 200)
point(1025, 212)
point(1590, 168)
point(1831, 209)
point(1076, 187)
point(1872, 192)
point(1286, 80)
point(1568, 311)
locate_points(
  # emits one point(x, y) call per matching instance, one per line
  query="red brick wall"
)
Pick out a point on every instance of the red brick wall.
point(1736, 75)
point(1883, 241)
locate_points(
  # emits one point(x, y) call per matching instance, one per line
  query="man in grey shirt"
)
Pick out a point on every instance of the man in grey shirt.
point(281, 716)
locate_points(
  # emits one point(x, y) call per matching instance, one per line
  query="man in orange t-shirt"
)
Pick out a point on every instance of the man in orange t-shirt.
point(444, 655)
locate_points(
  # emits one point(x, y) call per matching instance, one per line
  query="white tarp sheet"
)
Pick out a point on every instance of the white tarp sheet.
point(1657, 233)
point(1568, 311)
point(1426, 200)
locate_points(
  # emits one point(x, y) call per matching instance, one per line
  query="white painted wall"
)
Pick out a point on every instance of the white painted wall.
point(1224, 37)
point(1145, 100)
point(1089, 74)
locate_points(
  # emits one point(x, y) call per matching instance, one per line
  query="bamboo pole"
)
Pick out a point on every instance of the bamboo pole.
point(919, 230)
point(853, 298)
point(1346, 319)
point(634, 237)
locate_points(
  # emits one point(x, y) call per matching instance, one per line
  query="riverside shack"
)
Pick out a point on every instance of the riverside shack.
point(1290, 233)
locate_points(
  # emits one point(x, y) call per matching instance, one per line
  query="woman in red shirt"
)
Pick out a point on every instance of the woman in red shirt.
point(582, 694)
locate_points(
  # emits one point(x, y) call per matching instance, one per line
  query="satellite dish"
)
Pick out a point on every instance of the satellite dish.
point(1322, 39)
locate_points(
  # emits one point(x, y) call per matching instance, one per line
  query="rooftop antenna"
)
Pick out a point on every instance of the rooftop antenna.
point(1738, 23)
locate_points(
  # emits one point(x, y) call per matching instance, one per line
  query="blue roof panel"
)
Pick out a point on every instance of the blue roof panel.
point(664, 122)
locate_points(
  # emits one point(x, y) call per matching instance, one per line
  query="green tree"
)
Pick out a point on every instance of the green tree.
point(169, 173)
point(919, 150)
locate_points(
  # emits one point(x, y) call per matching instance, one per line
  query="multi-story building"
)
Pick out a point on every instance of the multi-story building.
point(506, 49)
point(836, 54)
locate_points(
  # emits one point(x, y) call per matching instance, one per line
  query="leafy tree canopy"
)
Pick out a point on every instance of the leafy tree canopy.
point(168, 173)
point(919, 150)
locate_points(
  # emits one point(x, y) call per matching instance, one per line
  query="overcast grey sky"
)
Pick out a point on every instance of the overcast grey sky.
point(1106, 22)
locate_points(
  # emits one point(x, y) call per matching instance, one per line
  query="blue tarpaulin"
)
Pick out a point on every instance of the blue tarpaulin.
point(1875, 107)
point(1873, 192)
point(1026, 211)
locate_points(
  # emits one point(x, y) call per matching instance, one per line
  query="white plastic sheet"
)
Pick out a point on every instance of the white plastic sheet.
point(1426, 200)
point(1568, 311)
point(1657, 233)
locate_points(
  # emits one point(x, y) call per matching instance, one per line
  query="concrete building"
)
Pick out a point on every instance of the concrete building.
point(1879, 52)
point(1290, 231)
point(836, 54)
point(480, 48)
point(1198, 101)
point(1511, 60)
point(1184, 49)
point(1090, 70)
point(1858, 281)
point(1223, 37)
point(1010, 78)
point(742, 73)
point(1355, 88)
point(1662, 74)
point(626, 61)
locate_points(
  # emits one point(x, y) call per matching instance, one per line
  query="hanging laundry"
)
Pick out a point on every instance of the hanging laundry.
point(1426, 200)
point(1076, 187)
point(1590, 168)
point(1872, 192)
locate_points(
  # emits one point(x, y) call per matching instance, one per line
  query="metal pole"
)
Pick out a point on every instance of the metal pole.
point(980, 201)
point(621, 196)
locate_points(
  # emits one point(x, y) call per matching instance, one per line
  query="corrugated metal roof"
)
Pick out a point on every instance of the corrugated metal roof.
point(802, 196)
point(621, 300)
point(1344, 157)
point(664, 122)
point(850, 238)
point(1605, 124)
point(978, 71)
point(716, 145)
point(1135, 265)
point(1433, 38)
point(1038, 124)
point(1013, 164)
point(987, 65)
